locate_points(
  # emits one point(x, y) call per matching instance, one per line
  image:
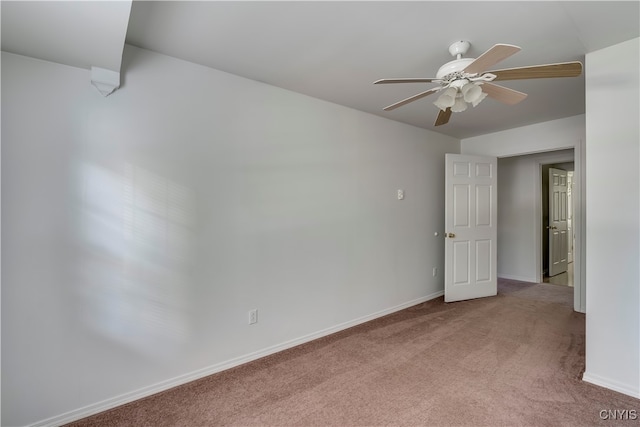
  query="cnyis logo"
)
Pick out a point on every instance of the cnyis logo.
point(619, 414)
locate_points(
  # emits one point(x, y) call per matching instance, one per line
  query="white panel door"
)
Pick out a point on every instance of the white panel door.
point(470, 227)
point(558, 215)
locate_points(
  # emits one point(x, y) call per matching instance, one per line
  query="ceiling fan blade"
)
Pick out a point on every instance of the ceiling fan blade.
point(492, 56)
point(443, 117)
point(503, 94)
point(411, 99)
point(563, 69)
point(408, 80)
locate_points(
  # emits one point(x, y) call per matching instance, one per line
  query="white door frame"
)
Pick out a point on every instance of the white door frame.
point(571, 214)
point(579, 295)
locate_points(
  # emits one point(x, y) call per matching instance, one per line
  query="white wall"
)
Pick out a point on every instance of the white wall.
point(548, 136)
point(139, 229)
point(613, 218)
point(519, 238)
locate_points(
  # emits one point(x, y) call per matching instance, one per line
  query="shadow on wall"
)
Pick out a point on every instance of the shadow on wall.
point(136, 252)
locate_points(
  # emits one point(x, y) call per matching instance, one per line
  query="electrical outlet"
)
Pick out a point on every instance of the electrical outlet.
point(435, 271)
point(400, 194)
point(253, 316)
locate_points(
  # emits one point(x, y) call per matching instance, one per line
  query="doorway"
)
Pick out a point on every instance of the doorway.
point(520, 223)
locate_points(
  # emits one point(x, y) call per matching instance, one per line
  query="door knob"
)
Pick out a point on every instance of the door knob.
point(451, 235)
point(552, 228)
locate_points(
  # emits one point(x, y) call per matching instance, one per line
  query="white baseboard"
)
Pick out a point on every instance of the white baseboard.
point(111, 403)
point(518, 278)
point(627, 389)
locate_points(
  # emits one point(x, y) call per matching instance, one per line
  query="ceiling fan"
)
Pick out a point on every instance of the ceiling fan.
point(465, 80)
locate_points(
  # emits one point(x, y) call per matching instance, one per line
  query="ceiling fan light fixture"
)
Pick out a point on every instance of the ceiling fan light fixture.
point(459, 105)
point(471, 92)
point(447, 99)
point(482, 96)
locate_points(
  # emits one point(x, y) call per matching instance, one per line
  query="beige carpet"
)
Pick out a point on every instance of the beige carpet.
point(511, 360)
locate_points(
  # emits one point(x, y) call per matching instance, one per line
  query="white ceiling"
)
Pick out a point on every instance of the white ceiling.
point(335, 50)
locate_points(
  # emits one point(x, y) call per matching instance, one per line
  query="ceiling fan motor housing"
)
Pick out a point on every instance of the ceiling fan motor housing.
point(456, 49)
point(453, 66)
